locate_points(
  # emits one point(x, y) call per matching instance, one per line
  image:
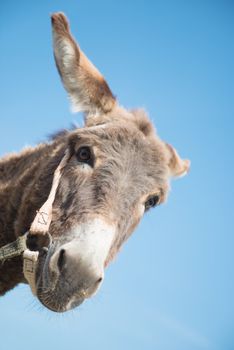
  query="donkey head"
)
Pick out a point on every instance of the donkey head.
point(118, 169)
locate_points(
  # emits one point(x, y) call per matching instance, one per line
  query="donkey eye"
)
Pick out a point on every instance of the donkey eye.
point(152, 202)
point(84, 154)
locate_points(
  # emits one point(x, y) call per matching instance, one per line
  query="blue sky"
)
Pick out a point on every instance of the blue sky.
point(172, 286)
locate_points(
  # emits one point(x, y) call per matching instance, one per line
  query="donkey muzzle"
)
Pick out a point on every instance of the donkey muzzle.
point(75, 269)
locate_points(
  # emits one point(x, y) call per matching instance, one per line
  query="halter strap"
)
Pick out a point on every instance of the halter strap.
point(13, 249)
point(40, 225)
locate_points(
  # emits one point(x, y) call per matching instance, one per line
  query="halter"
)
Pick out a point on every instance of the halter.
point(40, 225)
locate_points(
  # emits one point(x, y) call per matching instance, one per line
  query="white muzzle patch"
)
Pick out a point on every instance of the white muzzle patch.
point(89, 243)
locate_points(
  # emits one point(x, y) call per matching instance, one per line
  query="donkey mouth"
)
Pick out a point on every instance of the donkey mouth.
point(58, 297)
point(59, 306)
point(53, 292)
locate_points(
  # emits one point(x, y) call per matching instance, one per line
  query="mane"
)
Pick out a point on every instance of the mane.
point(56, 135)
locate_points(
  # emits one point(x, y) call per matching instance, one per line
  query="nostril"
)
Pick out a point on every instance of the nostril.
point(61, 259)
point(99, 280)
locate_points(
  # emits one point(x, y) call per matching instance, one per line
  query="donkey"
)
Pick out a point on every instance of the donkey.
point(117, 169)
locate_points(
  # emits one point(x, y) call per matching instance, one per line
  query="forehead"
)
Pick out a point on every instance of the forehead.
point(128, 152)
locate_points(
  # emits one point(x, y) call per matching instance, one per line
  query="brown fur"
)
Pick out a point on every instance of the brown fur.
point(130, 163)
point(25, 181)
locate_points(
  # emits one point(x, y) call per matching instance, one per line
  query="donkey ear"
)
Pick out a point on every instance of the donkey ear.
point(85, 85)
point(177, 166)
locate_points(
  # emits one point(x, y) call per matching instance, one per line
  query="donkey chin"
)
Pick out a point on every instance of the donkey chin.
point(73, 270)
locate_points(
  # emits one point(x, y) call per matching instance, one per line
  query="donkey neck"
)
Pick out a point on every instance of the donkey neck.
point(25, 181)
